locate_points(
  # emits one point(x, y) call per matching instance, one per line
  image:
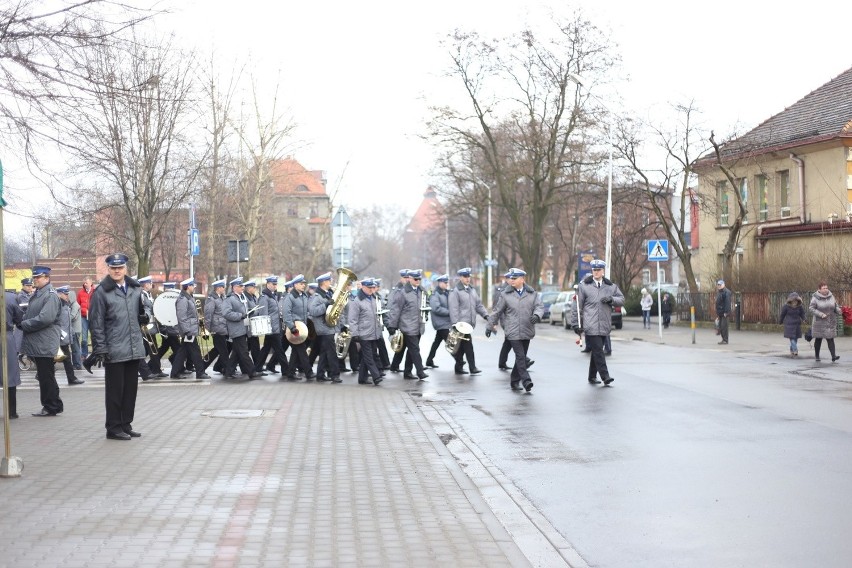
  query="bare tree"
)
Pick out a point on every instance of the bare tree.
point(525, 111)
point(129, 140)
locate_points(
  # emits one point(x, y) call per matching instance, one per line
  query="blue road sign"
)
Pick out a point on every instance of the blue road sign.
point(658, 250)
point(194, 242)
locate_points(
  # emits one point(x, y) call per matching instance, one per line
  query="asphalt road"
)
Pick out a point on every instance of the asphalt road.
point(698, 455)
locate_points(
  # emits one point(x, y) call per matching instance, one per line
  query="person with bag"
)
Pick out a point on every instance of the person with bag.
point(825, 310)
point(792, 316)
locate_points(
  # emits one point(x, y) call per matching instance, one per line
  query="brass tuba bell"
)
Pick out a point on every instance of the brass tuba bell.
point(340, 297)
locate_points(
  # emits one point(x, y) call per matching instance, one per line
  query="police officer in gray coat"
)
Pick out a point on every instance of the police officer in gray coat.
point(41, 339)
point(520, 308)
point(116, 316)
point(327, 367)
point(366, 330)
point(235, 312)
point(188, 327)
point(274, 342)
point(439, 301)
point(596, 295)
point(296, 309)
point(217, 326)
point(66, 335)
point(464, 305)
point(405, 315)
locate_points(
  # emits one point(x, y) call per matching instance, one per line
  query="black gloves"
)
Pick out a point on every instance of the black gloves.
point(294, 330)
point(144, 319)
point(534, 319)
point(488, 332)
point(578, 330)
point(344, 329)
point(94, 359)
point(391, 330)
point(606, 300)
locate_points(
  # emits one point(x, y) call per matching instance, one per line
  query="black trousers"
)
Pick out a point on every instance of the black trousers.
point(239, 356)
point(440, 337)
point(299, 360)
point(384, 359)
point(397, 357)
point(254, 350)
point(167, 342)
point(354, 357)
point(67, 364)
point(465, 351)
point(274, 344)
point(324, 348)
point(412, 345)
point(189, 350)
point(519, 370)
point(597, 360)
point(368, 364)
point(504, 353)
point(219, 353)
point(121, 382)
point(48, 389)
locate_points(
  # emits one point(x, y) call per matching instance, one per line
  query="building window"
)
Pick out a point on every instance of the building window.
point(743, 183)
point(762, 187)
point(549, 276)
point(314, 211)
point(549, 249)
point(646, 276)
point(784, 192)
point(302, 188)
point(722, 198)
point(292, 211)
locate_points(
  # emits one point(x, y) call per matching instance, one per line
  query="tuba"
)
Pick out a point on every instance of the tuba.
point(341, 343)
point(340, 297)
point(205, 341)
point(461, 331)
point(397, 341)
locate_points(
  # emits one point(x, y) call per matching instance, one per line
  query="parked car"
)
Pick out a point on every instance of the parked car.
point(560, 307)
point(547, 299)
point(617, 313)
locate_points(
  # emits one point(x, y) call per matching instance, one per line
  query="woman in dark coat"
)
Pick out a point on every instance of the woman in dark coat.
point(792, 316)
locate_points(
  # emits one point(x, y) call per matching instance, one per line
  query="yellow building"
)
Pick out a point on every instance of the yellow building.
point(794, 174)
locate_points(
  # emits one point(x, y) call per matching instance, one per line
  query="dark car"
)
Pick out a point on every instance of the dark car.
point(547, 299)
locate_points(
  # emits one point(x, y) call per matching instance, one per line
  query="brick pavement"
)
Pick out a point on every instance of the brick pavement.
point(327, 475)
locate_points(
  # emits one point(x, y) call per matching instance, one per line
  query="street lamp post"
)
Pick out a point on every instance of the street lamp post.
point(579, 81)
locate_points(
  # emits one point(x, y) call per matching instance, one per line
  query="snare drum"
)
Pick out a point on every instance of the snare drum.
point(260, 325)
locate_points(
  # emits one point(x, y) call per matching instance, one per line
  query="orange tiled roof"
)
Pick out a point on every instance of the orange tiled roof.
point(289, 177)
point(429, 215)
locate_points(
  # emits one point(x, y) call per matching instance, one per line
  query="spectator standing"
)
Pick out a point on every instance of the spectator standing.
point(723, 309)
point(792, 316)
point(83, 298)
point(76, 331)
point(646, 303)
point(666, 309)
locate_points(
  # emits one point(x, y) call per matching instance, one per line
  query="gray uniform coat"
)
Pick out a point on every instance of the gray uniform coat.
point(362, 319)
point(65, 324)
point(295, 308)
point(465, 304)
point(234, 311)
point(269, 301)
point(187, 315)
point(514, 310)
point(213, 318)
point(316, 309)
point(76, 322)
point(820, 305)
point(114, 321)
point(597, 315)
point(14, 316)
point(404, 312)
point(439, 301)
point(41, 324)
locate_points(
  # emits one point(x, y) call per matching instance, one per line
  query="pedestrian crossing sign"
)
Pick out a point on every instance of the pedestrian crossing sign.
point(658, 250)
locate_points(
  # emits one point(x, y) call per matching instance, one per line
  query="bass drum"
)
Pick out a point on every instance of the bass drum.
point(164, 307)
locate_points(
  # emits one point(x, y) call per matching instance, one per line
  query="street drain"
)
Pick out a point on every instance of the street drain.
point(237, 413)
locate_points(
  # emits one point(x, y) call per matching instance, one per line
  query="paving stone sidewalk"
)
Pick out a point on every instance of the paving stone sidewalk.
point(325, 475)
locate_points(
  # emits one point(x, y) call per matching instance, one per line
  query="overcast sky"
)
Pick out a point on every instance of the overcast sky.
point(358, 76)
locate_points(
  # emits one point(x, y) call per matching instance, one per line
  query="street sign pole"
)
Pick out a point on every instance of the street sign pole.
point(659, 303)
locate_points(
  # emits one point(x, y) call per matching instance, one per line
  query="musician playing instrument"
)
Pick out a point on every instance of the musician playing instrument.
point(296, 309)
point(41, 339)
point(324, 342)
point(464, 305)
point(150, 332)
point(405, 315)
point(274, 341)
point(116, 316)
point(397, 357)
point(235, 312)
point(217, 326)
point(439, 301)
point(384, 361)
point(521, 309)
point(253, 340)
point(366, 331)
point(169, 339)
point(65, 334)
point(188, 328)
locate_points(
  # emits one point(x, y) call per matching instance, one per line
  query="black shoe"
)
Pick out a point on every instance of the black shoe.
point(386, 368)
point(118, 436)
point(461, 371)
point(607, 381)
point(475, 371)
point(293, 378)
point(76, 381)
point(607, 353)
point(377, 381)
point(345, 369)
point(723, 342)
point(594, 381)
point(148, 378)
point(409, 376)
point(160, 375)
point(528, 385)
point(176, 377)
point(44, 412)
point(394, 369)
point(322, 379)
point(255, 375)
point(516, 386)
point(272, 370)
point(336, 380)
point(186, 374)
point(133, 433)
point(203, 376)
point(365, 382)
point(422, 376)
point(13, 416)
point(530, 363)
point(503, 368)
point(431, 365)
point(834, 358)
